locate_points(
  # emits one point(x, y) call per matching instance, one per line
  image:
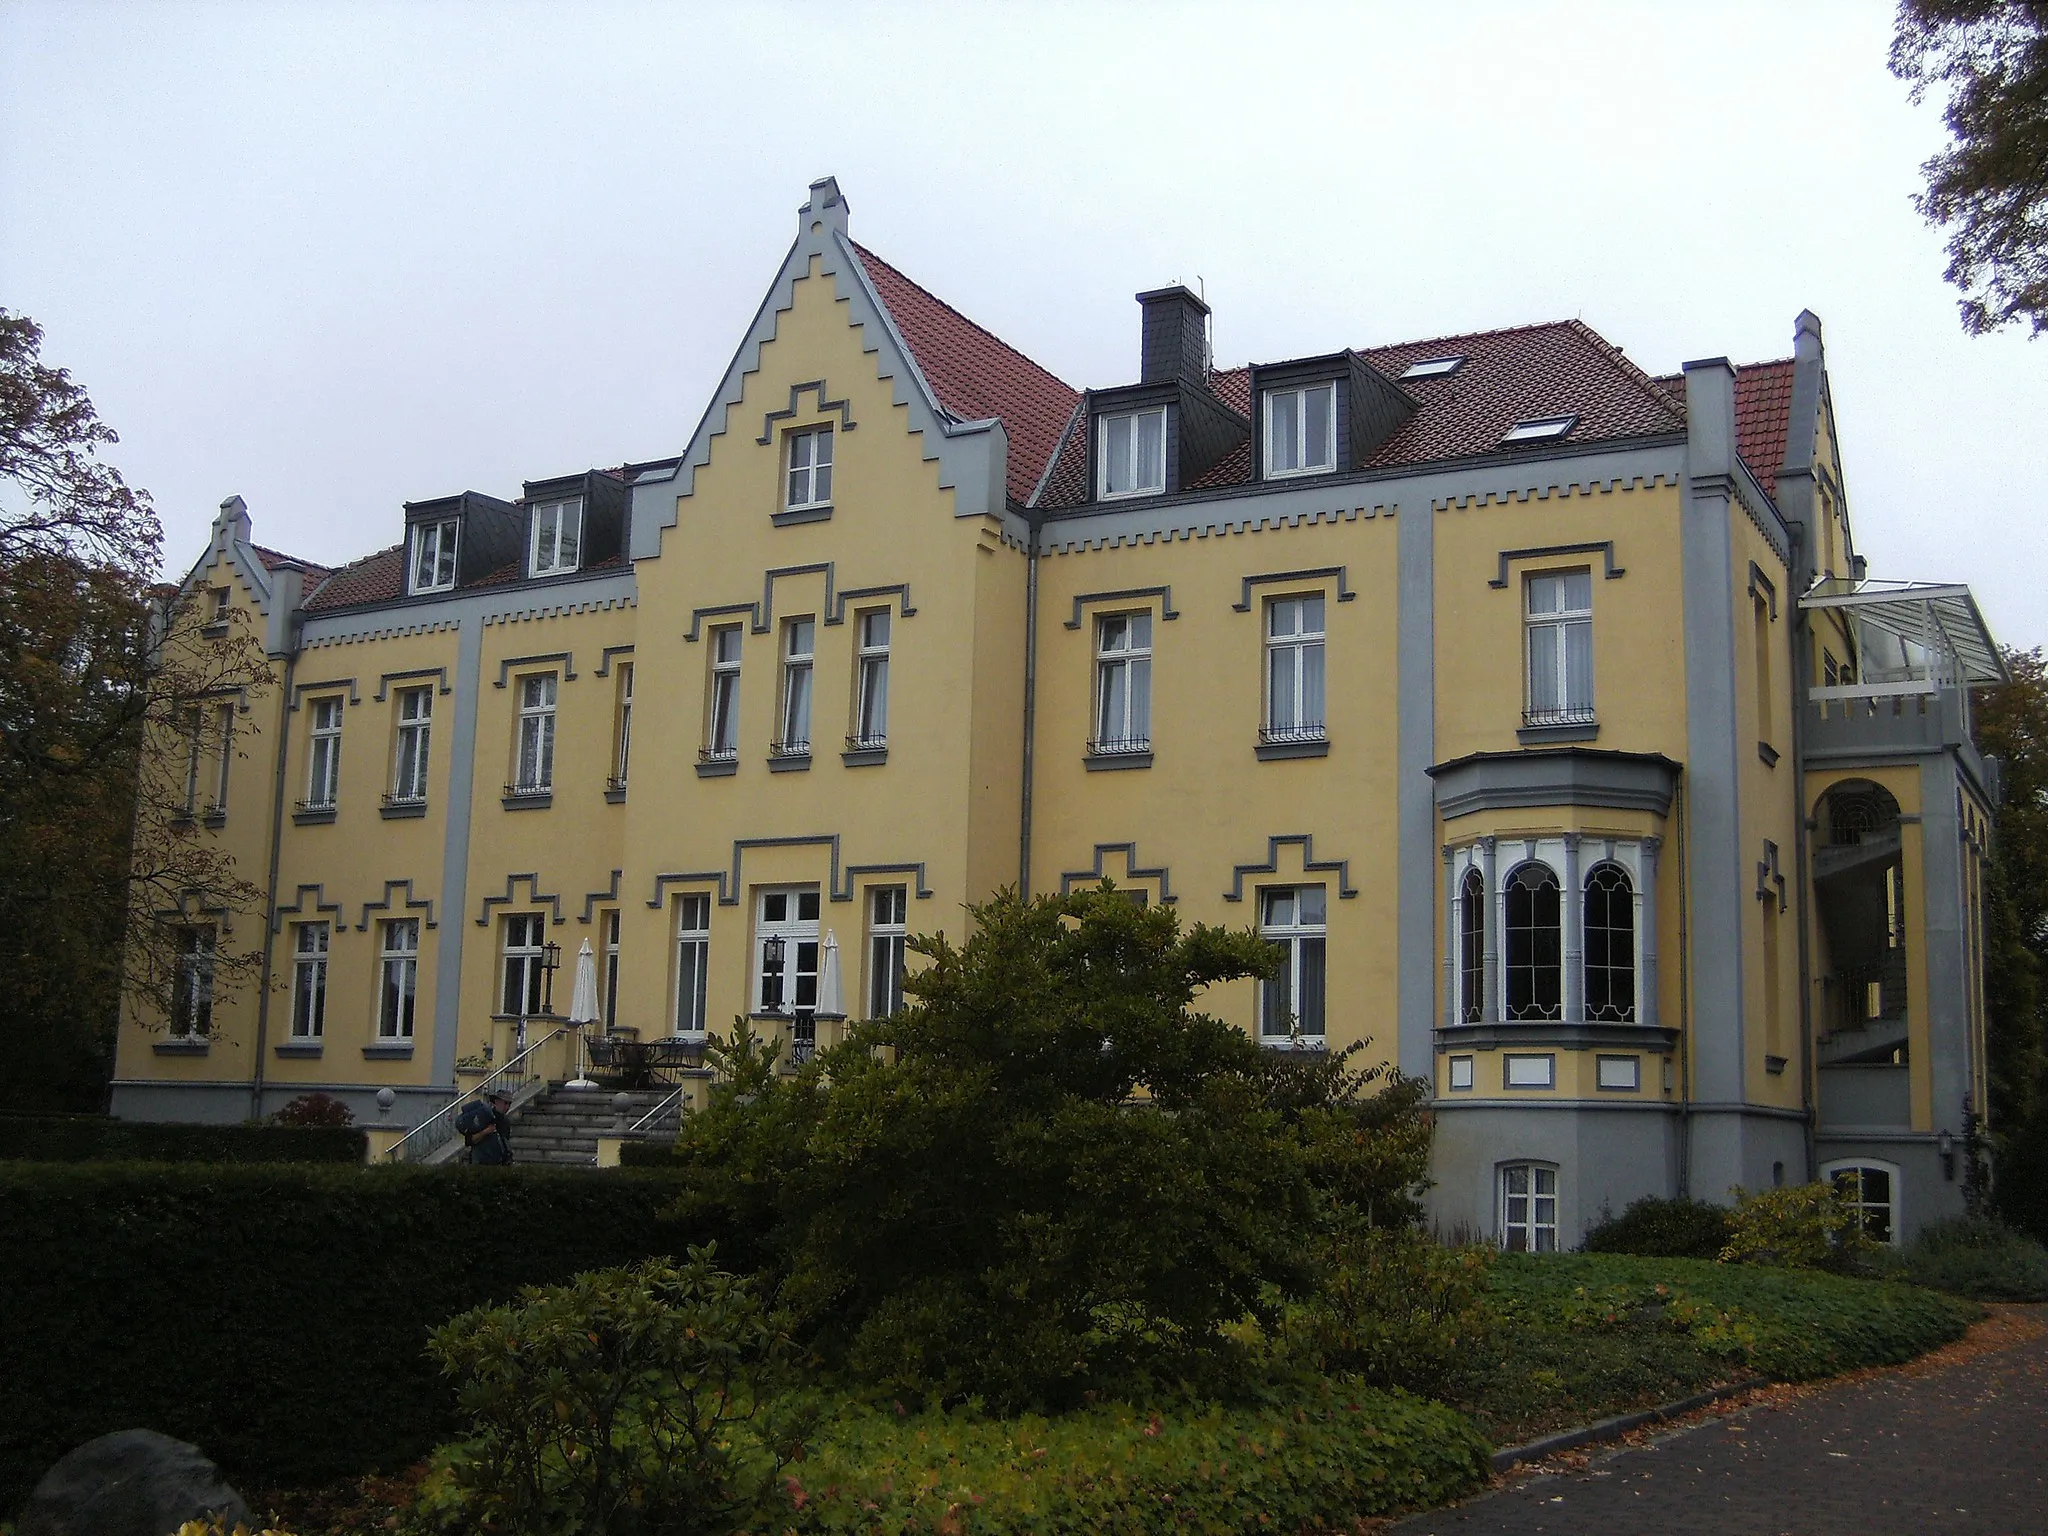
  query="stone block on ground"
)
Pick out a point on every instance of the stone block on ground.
point(135, 1482)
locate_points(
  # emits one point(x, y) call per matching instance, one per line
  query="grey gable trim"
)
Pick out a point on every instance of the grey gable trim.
point(1310, 864)
point(1555, 776)
point(494, 605)
point(1070, 878)
point(972, 456)
point(839, 883)
point(410, 904)
point(535, 897)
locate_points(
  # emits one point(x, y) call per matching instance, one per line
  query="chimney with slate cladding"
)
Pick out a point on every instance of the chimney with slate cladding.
point(1176, 338)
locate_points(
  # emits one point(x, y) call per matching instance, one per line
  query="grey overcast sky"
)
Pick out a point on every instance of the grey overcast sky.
point(337, 257)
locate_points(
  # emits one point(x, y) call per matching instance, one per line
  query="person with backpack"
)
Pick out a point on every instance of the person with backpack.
point(486, 1129)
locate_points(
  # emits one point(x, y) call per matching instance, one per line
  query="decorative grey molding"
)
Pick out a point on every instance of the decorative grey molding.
point(1310, 864)
point(1115, 762)
point(720, 611)
point(298, 906)
point(898, 590)
point(1316, 573)
point(1127, 594)
point(416, 674)
point(1757, 579)
point(410, 904)
point(712, 877)
point(800, 516)
point(608, 897)
point(816, 386)
point(604, 660)
point(839, 885)
point(1279, 751)
point(534, 897)
point(761, 615)
point(1604, 549)
point(566, 658)
point(300, 690)
point(1070, 878)
point(1554, 776)
point(1769, 881)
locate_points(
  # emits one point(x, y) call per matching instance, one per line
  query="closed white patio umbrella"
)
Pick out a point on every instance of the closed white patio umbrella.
point(830, 1004)
point(583, 1008)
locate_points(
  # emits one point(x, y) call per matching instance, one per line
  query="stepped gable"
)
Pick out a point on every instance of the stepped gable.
point(378, 578)
point(1763, 415)
point(976, 374)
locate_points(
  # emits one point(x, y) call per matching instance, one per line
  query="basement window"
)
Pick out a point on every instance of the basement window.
point(1541, 429)
point(1433, 367)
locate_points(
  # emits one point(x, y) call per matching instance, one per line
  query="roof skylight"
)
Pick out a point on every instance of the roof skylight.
point(1541, 429)
point(1433, 367)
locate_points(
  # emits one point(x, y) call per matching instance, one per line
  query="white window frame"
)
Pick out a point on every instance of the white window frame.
point(323, 754)
point(224, 744)
point(1294, 647)
point(1894, 1209)
point(555, 546)
point(1461, 1074)
point(1123, 683)
point(1528, 1069)
point(722, 708)
point(622, 748)
point(1433, 367)
point(1302, 929)
point(1298, 449)
point(522, 975)
point(398, 977)
point(807, 471)
point(1522, 1209)
point(608, 981)
point(1539, 429)
point(1565, 620)
point(432, 553)
point(799, 679)
point(693, 964)
point(310, 942)
point(414, 746)
point(192, 1003)
point(871, 684)
point(778, 913)
point(1619, 1074)
point(1606, 1013)
point(1131, 456)
point(533, 753)
point(888, 932)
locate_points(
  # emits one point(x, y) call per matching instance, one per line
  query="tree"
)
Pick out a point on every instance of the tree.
point(1990, 187)
point(103, 681)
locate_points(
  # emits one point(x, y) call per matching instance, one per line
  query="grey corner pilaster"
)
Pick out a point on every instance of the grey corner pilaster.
point(1646, 927)
point(1416, 704)
point(1450, 925)
point(1574, 934)
point(1489, 933)
point(1948, 948)
point(455, 846)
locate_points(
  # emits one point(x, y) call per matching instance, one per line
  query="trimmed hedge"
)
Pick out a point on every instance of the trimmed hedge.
point(647, 1154)
point(276, 1316)
point(95, 1139)
point(1664, 1229)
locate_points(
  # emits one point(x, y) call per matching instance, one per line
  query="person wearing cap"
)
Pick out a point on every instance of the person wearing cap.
point(493, 1148)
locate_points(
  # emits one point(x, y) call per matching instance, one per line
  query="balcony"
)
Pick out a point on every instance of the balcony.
point(1921, 649)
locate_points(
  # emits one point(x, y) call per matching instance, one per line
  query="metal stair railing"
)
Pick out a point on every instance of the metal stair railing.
point(645, 1124)
point(520, 1078)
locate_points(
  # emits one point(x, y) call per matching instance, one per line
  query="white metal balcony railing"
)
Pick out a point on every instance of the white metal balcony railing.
point(866, 743)
point(520, 1078)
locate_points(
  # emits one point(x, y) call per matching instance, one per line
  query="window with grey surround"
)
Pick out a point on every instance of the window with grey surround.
point(722, 719)
point(1610, 945)
point(1294, 670)
point(195, 746)
point(799, 640)
point(1131, 454)
point(557, 538)
point(622, 751)
point(433, 556)
point(810, 470)
point(534, 763)
point(399, 979)
point(192, 1006)
point(1471, 947)
point(1535, 944)
point(786, 981)
point(1559, 626)
point(611, 967)
point(693, 963)
point(415, 728)
point(323, 777)
point(525, 952)
point(1301, 430)
point(1291, 999)
point(309, 980)
point(871, 691)
point(224, 748)
point(888, 927)
point(1872, 1193)
point(1528, 1208)
point(1123, 683)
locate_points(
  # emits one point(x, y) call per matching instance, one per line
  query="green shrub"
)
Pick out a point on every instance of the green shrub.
point(315, 1109)
point(1802, 1226)
point(629, 1400)
point(1973, 1256)
point(1315, 1459)
point(1664, 1229)
point(1393, 1309)
point(95, 1139)
point(275, 1315)
point(647, 1154)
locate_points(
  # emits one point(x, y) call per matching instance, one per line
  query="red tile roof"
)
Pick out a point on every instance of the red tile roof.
point(976, 374)
point(275, 560)
point(1763, 415)
point(375, 578)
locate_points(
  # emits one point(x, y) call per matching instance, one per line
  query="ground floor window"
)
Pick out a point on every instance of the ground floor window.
point(1291, 1002)
point(1872, 1191)
point(693, 962)
point(1528, 1208)
point(309, 981)
point(786, 951)
point(192, 1014)
point(888, 928)
point(398, 993)
point(525, 951)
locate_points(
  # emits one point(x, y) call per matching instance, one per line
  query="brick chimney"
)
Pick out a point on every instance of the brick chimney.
point(1176, 337)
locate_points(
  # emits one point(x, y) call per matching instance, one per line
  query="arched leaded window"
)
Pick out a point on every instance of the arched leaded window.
point(1471, 947)
point(1871, 1190)
point(1610, 946)
point(1535, 944)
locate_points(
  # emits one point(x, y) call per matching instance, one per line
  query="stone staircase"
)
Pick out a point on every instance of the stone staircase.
point(561, 1127)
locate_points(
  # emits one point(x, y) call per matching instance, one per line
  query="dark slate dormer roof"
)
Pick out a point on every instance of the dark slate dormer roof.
point(976, 374)
point(1763, 415)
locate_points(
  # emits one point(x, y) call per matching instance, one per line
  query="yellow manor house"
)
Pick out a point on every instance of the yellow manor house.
point(1538, 708)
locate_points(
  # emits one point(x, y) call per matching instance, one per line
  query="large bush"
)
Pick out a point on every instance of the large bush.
point(1664, 1229)
point(1975, 1257)
point(95, 1139)
point(1802, 1226)
point(276, 1316)
point(1392, 1308)
point(1049, 1174)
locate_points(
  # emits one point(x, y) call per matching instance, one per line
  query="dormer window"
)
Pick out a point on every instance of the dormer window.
point(1301, 430)
point(1132, 455)
point(557, 537)
point(1540, 429)
point(810, 470)
point(433, 556)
